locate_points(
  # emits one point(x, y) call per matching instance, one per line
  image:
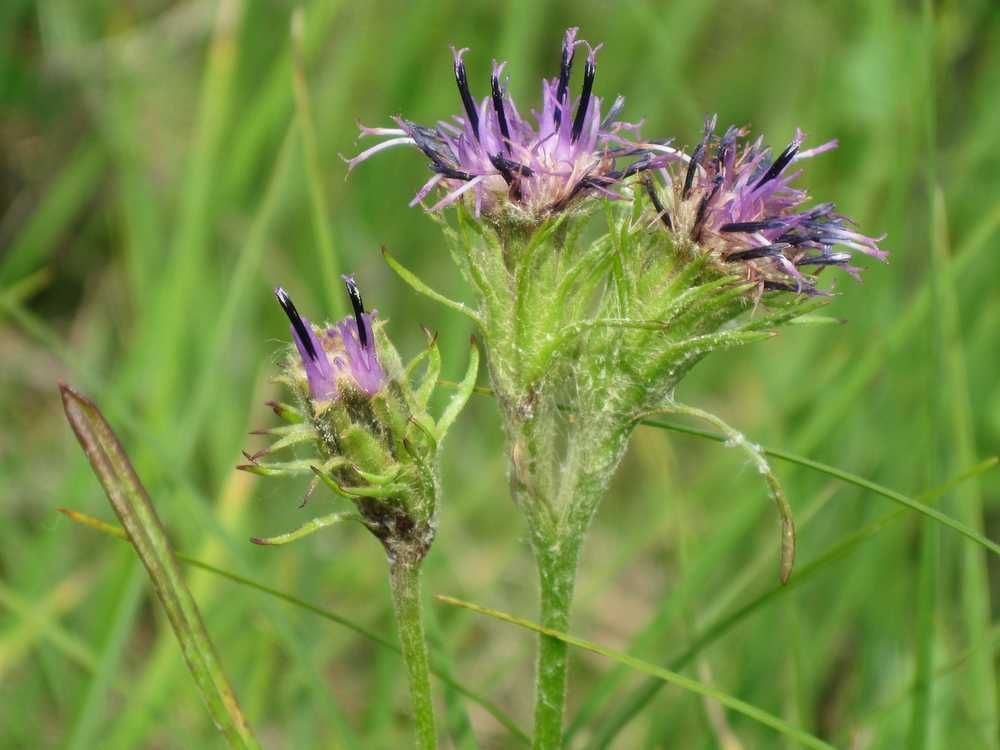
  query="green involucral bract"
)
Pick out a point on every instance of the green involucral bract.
point(589, 332)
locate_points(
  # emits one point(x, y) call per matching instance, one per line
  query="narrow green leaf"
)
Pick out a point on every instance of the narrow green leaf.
point(421, 288)
point(660, 673)
point(816, 320)
point(431, 373)
point(461, 397)
point(278, 468)
point(306, 529)
point(736, 439)
point(132, 506)
point(822, 468)
point(846, 476)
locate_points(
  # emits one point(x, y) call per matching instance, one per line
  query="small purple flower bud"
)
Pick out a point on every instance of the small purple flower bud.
point(342, 355)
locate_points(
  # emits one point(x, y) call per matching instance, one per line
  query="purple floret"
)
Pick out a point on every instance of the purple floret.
point(499, 157)
point(343, 354)
point(739, 204)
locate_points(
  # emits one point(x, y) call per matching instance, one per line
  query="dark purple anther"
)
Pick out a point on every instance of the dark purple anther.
point(343, 354)
point(833, 259)
point(300, 327)
point(589, 72)
point(463, 90)
point(779, 164)
point(359, 308)
point(657, 205)
point(763, 251)
point(565, 68)
point(699, 219)
point(749, 227)
point(781, 286)
point(498, 107)
point(696, 157)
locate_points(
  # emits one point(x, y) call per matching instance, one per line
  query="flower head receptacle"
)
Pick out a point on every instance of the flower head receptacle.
point(363, 426)
point(510, 167)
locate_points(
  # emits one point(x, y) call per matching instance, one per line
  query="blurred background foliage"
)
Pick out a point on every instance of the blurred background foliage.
point(155, 184)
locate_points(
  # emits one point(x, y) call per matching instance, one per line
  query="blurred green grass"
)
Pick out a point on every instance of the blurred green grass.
point(154, 187)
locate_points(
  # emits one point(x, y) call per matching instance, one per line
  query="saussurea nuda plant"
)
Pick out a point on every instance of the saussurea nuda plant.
point(361, 427)
point(586, 335)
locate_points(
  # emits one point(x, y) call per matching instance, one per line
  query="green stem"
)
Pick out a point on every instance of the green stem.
point(404, 579)
point(560, 506)
point(556, 560)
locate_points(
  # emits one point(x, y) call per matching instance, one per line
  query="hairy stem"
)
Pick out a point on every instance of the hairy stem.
point(557, 563)
point(404, 578)
point(560, 504)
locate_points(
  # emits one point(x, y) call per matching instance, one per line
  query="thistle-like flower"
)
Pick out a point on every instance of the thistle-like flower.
point(731, 201)
point(367, 429)
point(502, 161)
point(588, 337)
point(369, 438)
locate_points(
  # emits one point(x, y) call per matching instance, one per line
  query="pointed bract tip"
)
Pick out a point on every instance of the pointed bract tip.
point(431, 336)
point(261, 542)
point(69, 393)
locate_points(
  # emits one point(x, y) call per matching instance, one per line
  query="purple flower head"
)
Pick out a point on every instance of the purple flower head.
point(738, 203)
point(343, 354)
point(490, 152)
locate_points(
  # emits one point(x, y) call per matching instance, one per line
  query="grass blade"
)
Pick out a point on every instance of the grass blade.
point(335, 305)
point(38, 623)
point(436, 669)
point(65, 199)
point(659, 673)
point(709, 635)
point(132, 506)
